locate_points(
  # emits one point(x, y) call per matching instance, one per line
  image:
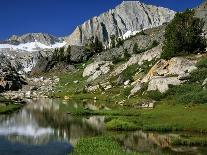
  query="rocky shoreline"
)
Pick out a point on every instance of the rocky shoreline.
point(35, 88)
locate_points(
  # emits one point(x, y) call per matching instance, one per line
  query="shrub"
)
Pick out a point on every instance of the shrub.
point(202, 63)
point(129, 72)
point(183, 35)
point(126, 55)
point(136, 49)
point(198, 75)
point(183, 89)
point(194, 97)
point(120, 42)
point(113, 41)
point(155, 95)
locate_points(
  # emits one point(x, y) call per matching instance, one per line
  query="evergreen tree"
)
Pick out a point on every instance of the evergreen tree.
point(68, 54)
point(183, 35)
point(61, 54)
point(98, 45)
point(120, 42)
point(136, 49)
point(55, 55)
point(113, 41)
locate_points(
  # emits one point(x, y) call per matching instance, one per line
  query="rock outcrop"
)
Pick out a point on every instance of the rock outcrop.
point(96, 69)
point(201, 12)
point(9, 78)
point(165, 73)
point(126, 19)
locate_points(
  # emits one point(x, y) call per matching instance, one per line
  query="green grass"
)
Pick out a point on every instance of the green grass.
point(121, 124)
point(100, 146)
point(67, 87)
point(165, 117)
point(117, 111)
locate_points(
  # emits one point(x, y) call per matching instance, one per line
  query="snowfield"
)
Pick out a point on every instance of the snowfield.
point(32, 46)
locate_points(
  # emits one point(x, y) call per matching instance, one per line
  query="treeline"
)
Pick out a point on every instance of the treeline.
point(62, 55)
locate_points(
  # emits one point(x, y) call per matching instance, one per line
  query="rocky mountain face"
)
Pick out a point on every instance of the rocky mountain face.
point(24, 51)
point(126, 19)
point(201, 12)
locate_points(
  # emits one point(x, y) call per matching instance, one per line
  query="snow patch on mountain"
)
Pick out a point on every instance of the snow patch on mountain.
point(31, 46)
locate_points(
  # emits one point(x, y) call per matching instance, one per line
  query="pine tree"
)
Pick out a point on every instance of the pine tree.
point(68, 54)
point(183, 35)
point(61, 54)
point(113, 41)
point(136, 49)
point(98, 45)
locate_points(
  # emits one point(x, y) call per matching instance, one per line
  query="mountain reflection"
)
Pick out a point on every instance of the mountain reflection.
point(41, 122)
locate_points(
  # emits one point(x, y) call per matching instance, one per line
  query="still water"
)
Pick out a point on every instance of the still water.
point(41, 127)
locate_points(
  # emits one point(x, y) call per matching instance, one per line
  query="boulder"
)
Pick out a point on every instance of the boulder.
point(162, 83)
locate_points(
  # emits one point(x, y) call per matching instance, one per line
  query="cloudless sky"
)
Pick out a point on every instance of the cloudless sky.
point(60, 17)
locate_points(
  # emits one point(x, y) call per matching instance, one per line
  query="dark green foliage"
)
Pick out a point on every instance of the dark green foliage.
point(136, 49)
point(126, 55)
point(194, 97)
point(183, 89)
point(187, 94)
point(126, 92)
point(155, 95)
point(113, 41)
point(55, 55)
point(142, 33)
point(147, 65)
point(183, 35)
point(94, 45)
point(154, 43)
point(116, 42)
point(98, 46)
point(129, 72)
point(60, 55)
point(202, 63)
point(68, 54)
point(120, 42)
point(200, 74)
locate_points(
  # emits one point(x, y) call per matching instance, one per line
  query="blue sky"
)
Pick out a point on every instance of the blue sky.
point(60, 17)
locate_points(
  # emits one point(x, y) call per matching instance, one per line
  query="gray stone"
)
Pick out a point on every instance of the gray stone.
point(96, 69)
point(162, 83)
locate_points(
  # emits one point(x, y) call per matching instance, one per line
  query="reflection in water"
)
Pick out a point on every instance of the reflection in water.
point(156, 143)
point(40, 122)
point(41, 128)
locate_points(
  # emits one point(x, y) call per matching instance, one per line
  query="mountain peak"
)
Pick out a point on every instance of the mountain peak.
point(129, 16)
point(34, 37)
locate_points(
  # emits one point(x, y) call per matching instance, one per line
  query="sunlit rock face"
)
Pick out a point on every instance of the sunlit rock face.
point(201, 12)
point(126, 19)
